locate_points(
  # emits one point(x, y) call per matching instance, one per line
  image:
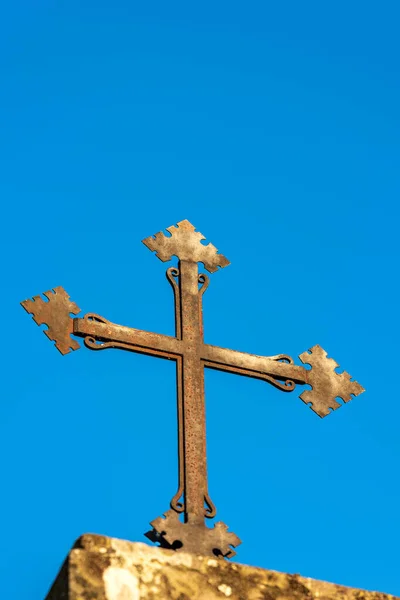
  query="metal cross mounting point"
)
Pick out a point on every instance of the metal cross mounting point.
point(188, 531)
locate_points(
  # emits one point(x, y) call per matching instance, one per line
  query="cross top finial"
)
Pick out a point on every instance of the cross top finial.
point(185, 243)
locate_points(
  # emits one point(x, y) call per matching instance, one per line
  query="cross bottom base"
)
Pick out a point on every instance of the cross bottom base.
point(195, 537)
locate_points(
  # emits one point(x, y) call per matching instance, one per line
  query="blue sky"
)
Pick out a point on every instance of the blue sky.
point(274, 128)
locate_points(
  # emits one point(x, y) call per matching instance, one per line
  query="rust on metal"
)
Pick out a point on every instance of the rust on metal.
point(183, 525)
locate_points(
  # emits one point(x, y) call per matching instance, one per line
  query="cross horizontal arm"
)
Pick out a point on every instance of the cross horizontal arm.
point(141, 341)
point(252, 365)
point(326, 384)
point(214, 357)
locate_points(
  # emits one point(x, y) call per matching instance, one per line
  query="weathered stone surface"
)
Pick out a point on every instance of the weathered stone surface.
point(101, 568)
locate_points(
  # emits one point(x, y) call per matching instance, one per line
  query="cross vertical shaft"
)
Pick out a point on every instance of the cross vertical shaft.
point(193, 393)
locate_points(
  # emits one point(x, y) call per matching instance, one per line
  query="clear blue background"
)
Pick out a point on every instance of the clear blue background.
point(274, 128)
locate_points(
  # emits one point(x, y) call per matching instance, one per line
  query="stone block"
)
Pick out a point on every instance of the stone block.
point(102, 568)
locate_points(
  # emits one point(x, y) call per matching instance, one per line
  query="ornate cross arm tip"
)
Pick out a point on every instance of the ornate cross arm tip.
point(327, 385)
point(55, 313)
point(185, 243)
point(171, 532)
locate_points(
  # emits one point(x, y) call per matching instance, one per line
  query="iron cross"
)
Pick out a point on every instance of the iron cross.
point(191, 355)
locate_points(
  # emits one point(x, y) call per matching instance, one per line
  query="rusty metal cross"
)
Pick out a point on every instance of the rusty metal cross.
point(191, 355)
